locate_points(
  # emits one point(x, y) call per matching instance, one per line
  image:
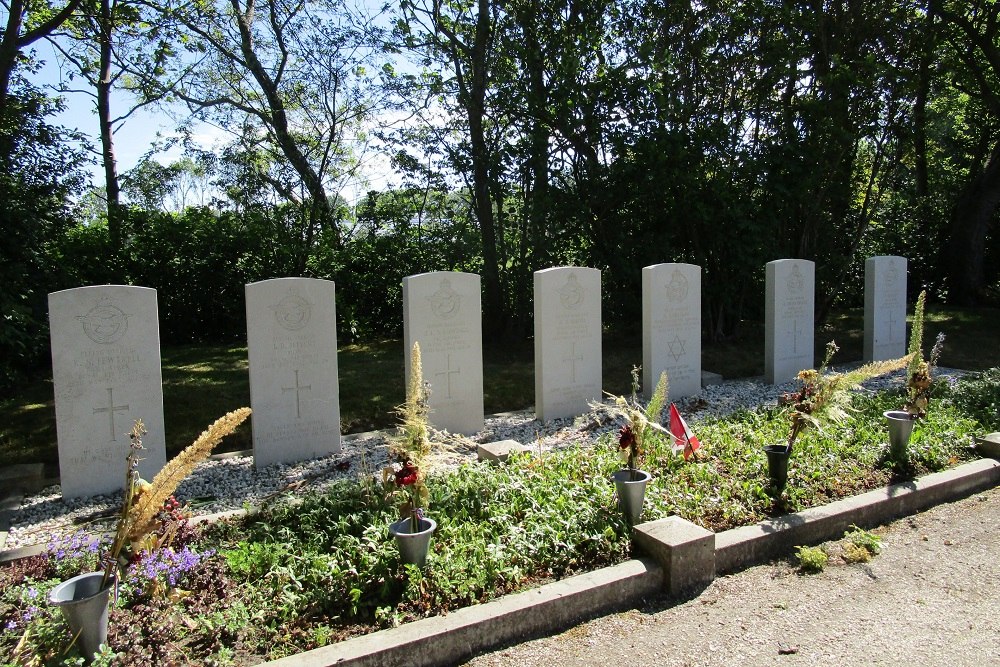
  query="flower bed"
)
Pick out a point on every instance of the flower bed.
point(305, 572)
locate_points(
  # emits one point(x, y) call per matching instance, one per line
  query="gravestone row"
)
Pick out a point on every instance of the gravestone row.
point(106, 354)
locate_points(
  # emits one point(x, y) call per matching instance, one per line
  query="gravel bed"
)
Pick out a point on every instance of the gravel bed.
point(231, 482)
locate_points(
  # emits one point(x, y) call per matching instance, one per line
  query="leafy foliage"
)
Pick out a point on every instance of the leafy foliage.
point(812, 560)
point(38, 173)
point(978, 396)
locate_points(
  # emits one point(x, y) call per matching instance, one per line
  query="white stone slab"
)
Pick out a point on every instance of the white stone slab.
point(442, 311)
point(885, 308)
point(789, 304)
point(106, 374)
point(294, 387)
point(671, 328)
point(499, 451)
point(567, 341)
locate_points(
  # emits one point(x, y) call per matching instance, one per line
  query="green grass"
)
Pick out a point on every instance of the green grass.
point(200, 383)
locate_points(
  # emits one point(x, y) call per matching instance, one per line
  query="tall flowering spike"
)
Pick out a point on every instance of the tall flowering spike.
point(915, 348)
point(143, 514)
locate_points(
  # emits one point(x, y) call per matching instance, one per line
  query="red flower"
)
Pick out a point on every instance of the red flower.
point(626, 437)
point(406, 475)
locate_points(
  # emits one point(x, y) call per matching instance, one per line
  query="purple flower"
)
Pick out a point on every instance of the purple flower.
point(167, 565)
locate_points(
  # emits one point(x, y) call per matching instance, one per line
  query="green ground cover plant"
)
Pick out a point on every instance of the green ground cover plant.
point(306, 571)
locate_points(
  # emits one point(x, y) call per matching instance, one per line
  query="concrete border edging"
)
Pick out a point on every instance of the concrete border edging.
point(467, 632)
point(742, 547)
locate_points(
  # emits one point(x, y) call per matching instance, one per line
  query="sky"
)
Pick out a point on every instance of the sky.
point(135, 136)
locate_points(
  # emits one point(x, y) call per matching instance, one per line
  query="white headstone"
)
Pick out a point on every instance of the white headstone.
point(885, 308)
point(442, 311)
point(106, 375)
point(789, 303)
point(567, 341)
point(671, 328)
point(294, 387)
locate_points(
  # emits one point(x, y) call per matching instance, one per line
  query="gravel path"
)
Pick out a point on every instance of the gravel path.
point(931, 597)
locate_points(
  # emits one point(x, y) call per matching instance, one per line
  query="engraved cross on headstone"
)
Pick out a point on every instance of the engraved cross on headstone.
point(573, 358)
point(111, 410)
point(448, 373)
point(298, 389)
point(795, 336)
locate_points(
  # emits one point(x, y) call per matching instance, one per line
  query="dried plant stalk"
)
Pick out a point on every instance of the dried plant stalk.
point(143, 513)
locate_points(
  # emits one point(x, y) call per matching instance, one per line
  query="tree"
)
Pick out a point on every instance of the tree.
point(38, 175)
point(102, 44)
point(461, 38)
point(27, 22)
point(289, 78)
point(971, 36)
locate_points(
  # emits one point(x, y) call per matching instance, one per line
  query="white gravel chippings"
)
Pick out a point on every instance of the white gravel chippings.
point(231, 482)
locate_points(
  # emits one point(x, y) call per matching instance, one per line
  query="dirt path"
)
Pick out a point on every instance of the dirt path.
point(932, 597)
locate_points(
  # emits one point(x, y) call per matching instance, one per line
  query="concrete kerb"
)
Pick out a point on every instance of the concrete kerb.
point(741, 547)
point(513, 618)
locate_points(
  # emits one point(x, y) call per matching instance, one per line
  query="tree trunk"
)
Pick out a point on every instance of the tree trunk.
point(963, 256)
point(320, 209)
point(494, 315)
point(105, 30)
point(13, 41)
point(9, 49)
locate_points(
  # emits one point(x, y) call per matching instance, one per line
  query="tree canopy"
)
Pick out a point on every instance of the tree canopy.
point(525, 134)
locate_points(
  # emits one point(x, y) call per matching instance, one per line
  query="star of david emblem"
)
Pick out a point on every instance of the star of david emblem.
point(676, 347)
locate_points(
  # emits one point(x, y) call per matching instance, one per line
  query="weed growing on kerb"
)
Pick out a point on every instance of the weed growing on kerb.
point(861, 545)
point(812, 560)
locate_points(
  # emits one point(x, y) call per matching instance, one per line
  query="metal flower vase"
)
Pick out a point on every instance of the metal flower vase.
point(413, 547)
point(630, 486)
point(777, 466)
point(900, 428)
point(84, 603)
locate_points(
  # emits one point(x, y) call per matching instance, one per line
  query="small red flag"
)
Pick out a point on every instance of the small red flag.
point(681, 433)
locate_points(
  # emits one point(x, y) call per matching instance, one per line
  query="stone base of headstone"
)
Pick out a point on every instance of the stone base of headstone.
point(990, 445)
point(500, 451)
point(710, 378)
point(686, 553)
point(23, 477)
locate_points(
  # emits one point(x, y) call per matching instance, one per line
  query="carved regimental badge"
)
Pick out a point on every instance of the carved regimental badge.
point(795, 281)
point(677, 288)
point(105, 323)
point(445, 302)
point(571, 294)
point(292, 313)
